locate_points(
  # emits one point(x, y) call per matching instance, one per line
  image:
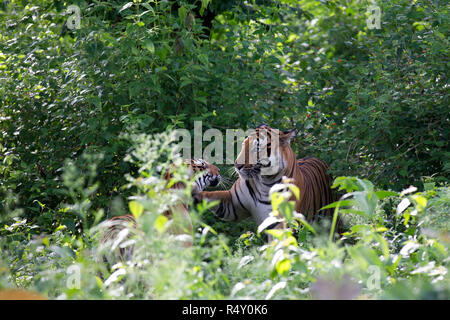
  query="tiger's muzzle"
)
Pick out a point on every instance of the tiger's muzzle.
point(248, 171)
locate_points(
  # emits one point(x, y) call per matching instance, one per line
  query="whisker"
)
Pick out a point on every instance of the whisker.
point(232, 172)
point(227, 180)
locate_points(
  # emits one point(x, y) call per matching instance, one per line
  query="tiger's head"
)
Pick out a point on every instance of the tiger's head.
point(266, 153)
point(210, 177)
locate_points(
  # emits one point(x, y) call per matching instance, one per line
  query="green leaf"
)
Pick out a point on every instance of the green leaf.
point(421, 202)
point(182, 12)
point(136, 209)
point(346, 183)
point(340, 203)
point(70, 224)
point(295, 190)
point(275, 288)
point(359, 228)
point(283, 266)
point(126, 6)
point(267, 222)
point(366, 184)
point(287, 209)
point(185, 82)
point(429, 186)
point(276, 233)
point(306, 224)
point(148, 44)
point(160, 223)
point(201, 99)
point(204, 6)
point(203, 59)
point(408, 190)
point(353, 211)
point(403, 205)
point(381, 194)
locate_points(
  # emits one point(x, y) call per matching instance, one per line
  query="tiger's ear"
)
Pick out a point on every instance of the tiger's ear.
point(286, 137)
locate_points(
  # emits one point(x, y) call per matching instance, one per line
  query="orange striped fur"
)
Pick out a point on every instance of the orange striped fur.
point(260, 166)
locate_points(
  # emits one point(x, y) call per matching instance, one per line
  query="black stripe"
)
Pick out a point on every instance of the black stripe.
point(272, 226)
point(220, 210)
point(271, 184)
point(273, 175)
point(253, 195)
point(259, 193)
point(250, 190)
point(292, 170)
point(234, 212)
point(239, 200)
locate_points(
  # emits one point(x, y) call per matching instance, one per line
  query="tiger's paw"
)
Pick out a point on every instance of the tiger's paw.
point(198, 197)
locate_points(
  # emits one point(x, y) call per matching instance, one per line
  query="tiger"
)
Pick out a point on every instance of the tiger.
point(210, 178)
point(265, 159)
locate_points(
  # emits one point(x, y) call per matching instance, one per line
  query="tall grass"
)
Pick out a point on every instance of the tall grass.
point(396, 244)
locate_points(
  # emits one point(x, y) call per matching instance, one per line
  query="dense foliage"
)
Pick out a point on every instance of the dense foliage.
point(77, 105)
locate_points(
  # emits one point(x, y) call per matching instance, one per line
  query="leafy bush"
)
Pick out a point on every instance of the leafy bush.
point(393, 248)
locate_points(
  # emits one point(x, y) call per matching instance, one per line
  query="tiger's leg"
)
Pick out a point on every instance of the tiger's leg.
point(230, 207)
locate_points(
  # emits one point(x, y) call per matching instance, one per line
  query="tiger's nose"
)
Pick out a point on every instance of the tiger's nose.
point(215, 181)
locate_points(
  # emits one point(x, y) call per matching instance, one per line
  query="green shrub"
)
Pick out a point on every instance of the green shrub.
point(393, 248)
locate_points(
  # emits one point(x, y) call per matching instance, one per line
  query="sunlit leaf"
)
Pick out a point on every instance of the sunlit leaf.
point(136, 209)
point(160, 223)
point(268, 222)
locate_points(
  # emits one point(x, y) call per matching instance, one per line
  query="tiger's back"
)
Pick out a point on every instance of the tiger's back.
point(313, 180)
